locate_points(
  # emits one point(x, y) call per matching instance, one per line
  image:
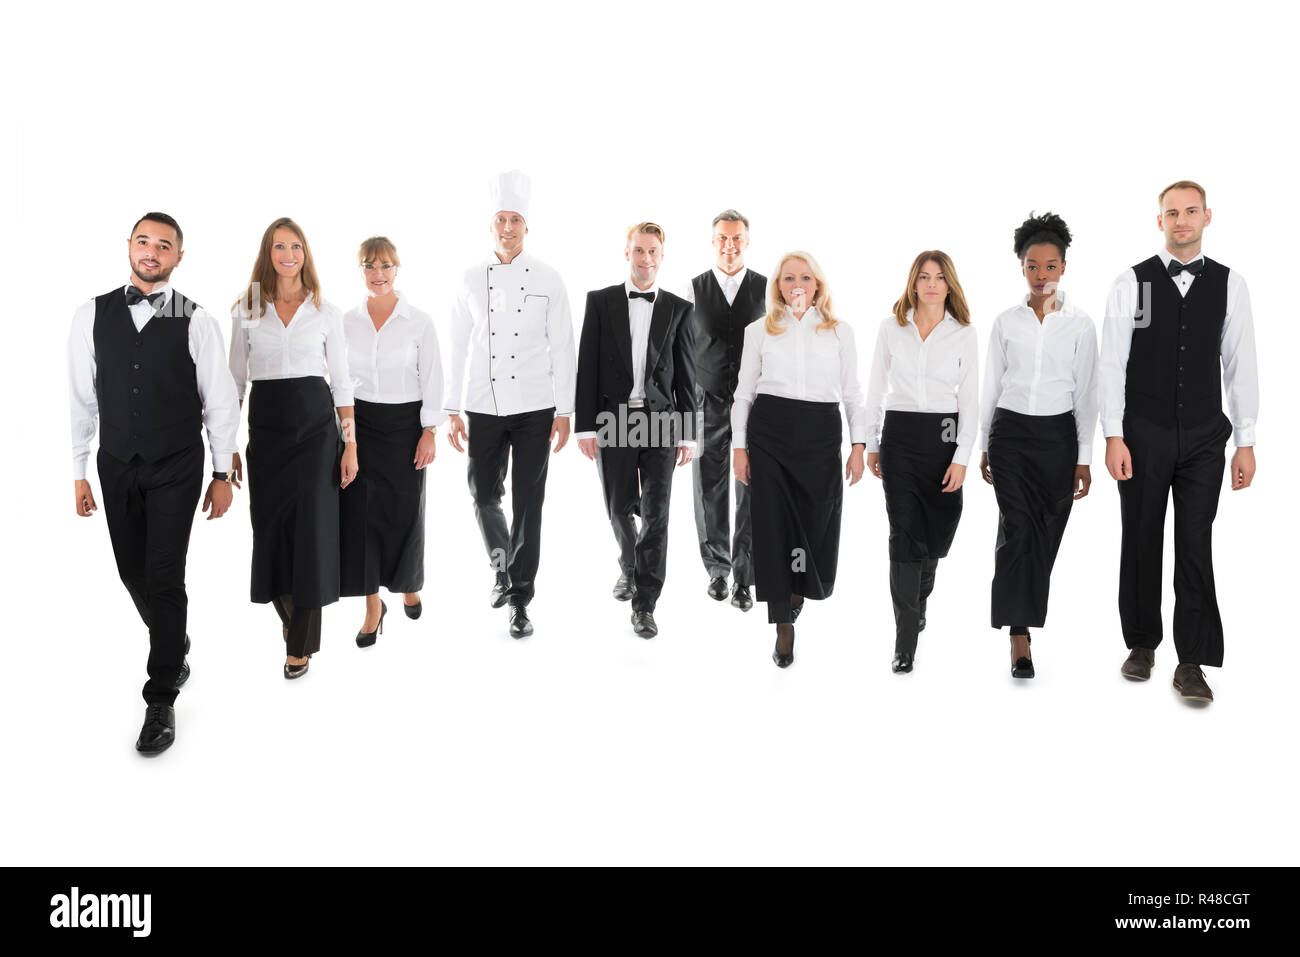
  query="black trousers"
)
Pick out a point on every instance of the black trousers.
point(150, 510)
point(1188, 461)
point(639, 481)
point(521, 442)
point(910, 584)
point(301, 626)
point(722, 555)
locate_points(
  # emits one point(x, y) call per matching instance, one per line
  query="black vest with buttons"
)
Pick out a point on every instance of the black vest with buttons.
point(1173, 375)
point(720, 329)
point(148, 394)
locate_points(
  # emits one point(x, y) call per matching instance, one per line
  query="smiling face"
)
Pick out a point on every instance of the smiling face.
point(154, 252)
point(380, 275)
point(645, 252)
point(931, 285)
point(797, 284)
point(1182, 219)
point(287, 253)
point(730, 240)
point(508, 231)
point(1043, 268)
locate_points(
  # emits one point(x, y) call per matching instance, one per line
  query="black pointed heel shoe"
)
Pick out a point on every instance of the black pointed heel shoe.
point(784, 659)
point(1023, 667)
point(367, 638)
point(413, 611)
point(296, 671)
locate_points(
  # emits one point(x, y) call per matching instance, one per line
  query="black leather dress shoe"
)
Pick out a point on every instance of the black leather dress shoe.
point(740, 598)
point(624, 588)
point(520, 626)
point(718, 588)
point(499, 590)
point(183, 675)
point(902, 663)
point(367, 638)
point(413, 611)
point(159, 730)
point(643, 624)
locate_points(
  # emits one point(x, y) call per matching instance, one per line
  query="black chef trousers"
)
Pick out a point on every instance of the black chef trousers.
point(150, 510)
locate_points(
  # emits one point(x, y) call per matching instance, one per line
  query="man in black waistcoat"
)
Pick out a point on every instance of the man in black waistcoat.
point(1172, 323)
point(151, 366)
point(727, 298)
point(635, 413)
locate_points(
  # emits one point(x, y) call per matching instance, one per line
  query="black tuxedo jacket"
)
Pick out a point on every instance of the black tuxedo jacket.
point(605, 359)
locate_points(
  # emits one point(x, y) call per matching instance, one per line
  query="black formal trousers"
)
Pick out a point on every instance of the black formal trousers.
point(910, 584)
point(638, 480)
point(721, 553)
point(521, 442)
point(150, 510)
point(1188, 461)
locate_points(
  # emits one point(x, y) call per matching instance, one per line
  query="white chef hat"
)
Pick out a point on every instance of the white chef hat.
point(510, 191)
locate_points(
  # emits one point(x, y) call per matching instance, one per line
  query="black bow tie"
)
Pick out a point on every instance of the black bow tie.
point(647, 296)
point(134, 295)
point(1194, 267)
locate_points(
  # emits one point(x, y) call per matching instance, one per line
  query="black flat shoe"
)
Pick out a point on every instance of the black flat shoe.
point(296, 671)
point(183, 675)
point(643, 624)
point(903, 663)
point(718, 588)
point(413, 611)
point(624, 588)
point(520, 626)
point(367, 638)
point(740, 598)
point(500, 590)
point(159, 729)
point(1023, 667)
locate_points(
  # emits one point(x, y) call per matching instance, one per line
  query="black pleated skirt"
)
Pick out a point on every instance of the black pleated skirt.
point(916, 449)
point(382, 512)
point(1032, 458)
point(796, 494)
point(293, 491)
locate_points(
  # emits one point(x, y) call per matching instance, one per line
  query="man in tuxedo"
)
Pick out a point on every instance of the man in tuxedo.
point(727, 298)
point(150, 366)
point(1178, 335)
point(636, 413)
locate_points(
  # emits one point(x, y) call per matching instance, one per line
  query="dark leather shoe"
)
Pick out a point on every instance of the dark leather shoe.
point(783, 661)
point(1189, 681)
point(624, 588)
point(413, 611)
point(183, 675)
point(159, 730)
point(902, 663)
point(367, 638)
point(499, 596)
point(1137, 666)
point(718, 589)
point(920, 625)
point(643, 623)
point(296, 671)
point(520, 626)
point(740, 598)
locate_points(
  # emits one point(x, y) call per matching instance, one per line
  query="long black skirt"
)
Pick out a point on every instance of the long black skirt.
point(293, 491)
point(381, 527)
point(1032, 458)
point(916, 449)
point(796, 495)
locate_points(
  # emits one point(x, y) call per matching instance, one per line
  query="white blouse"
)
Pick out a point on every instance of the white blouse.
point(399, 361)
point(937, 374)
point(800, 363)
point(313, 344)
point(1043, 368)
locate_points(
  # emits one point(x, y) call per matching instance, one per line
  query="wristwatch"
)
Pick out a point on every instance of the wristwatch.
point(224, 476)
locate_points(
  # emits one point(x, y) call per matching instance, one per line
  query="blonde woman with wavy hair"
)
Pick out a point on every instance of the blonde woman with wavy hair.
point(923, 403)
point(797, 368)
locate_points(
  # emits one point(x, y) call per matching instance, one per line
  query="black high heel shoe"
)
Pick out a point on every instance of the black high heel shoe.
point(785, 659)
point(1023, 667)
point(412, 611)
point(367, 638)
point(296, 671)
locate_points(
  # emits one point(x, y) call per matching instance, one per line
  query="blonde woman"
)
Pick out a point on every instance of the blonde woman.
point(798, 366)
point(288, 340)
point(923, 400)
point(397, 377)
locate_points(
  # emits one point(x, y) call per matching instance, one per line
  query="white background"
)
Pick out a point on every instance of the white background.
point(862, 134)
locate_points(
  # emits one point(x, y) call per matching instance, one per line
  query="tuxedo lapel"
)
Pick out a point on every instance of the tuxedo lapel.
point(660, 319)
point(621, 325)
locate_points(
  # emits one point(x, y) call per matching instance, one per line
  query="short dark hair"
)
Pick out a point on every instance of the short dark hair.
point(1047, 228)
point(730, 216)
point(166, 221)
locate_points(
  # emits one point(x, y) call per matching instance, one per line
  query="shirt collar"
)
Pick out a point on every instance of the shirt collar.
point(722, 277)
point(403, 308)
point(1166, 257)
point(812, 313)
point(946, 316)
point(629, 288)
point(1064, 304)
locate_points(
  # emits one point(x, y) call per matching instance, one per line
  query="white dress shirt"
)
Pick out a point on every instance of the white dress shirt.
point(1236, 351)
point(1043, 368)
point(639, 313)
point(802, 362)
point(398, 362)
point(730, 285)
point(313, 344)
point(216, 389)
point(937, 374)
point(511, 322)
